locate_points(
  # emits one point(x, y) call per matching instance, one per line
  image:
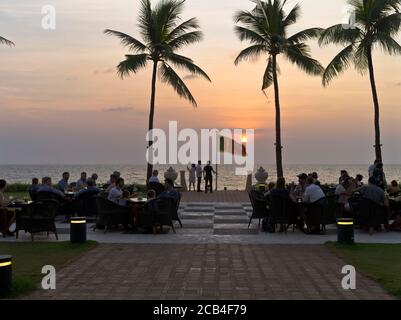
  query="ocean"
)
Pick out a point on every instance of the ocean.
point(226, 178)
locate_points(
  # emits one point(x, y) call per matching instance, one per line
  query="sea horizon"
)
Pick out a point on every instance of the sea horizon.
point(136, 173)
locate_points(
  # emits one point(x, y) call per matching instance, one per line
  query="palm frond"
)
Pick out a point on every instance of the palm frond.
point(187, 64)
point(387, 43)
point(168, 75)
point(245, 34)
point(6, 42)
point(299, 55)
point(186, 39)
point(293, 16)
point(339, 34)
point(306, 35)
point(361, 56)
point(250, 52)
point(338, 65)
point(132, 64)
point(184, 27)
point(127, 41)
point(268, 75)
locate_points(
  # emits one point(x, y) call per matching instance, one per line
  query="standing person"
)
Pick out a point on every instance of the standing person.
point(199, 171)
point(81, 183)
point(208, 175)
point(379, 176)
point(63, 183)
point(192, 173)
point(372, 168)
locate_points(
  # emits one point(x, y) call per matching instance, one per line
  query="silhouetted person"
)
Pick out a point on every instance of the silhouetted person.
point(208, 174)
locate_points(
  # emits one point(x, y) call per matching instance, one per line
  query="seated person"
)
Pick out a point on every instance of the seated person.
point(7, 218)
point(112, 183)
point(81, 183)
point(154, 177)
point(312, 192)
point(91, 188)
point(116, 193)
point(63, 183)
point(394, 189)
point(299, 190)
point(315, 176)
point(125, 196)
point(94, 177)
point(374, 193)
point(33, 188)
point(280, 189)
point(359, 180)
point(47, 187)
point(344, 191)
point(170, 191)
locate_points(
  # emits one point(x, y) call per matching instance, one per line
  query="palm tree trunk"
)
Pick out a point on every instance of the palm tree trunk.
point(279, 148)
point(378, 145)
point(151, 117)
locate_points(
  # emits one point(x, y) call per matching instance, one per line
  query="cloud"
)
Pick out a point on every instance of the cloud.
point(119, 109)
point(106, 71)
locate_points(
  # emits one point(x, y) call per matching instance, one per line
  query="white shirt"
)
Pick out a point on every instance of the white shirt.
point(154, 179)
point(339, 192)
point(313, 193)
point(115, 195)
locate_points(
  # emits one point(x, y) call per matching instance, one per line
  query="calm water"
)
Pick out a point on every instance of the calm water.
point(227, 177)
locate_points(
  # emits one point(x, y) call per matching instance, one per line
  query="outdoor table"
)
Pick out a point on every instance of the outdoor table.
point(69, 194)
point(137, 201)
point(137, 205)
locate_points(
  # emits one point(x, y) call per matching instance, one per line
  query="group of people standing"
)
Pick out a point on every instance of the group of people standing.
point(197, 174)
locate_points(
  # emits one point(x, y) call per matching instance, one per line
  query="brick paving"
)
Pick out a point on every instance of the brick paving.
point(207, 271)
point(217, 196)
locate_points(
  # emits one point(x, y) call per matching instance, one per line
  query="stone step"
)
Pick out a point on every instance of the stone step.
point(203, 215)
point(199, 209)
point(230, 213)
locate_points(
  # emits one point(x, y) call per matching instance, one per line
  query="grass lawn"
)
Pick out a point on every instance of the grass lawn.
point(381, 262)
point(29, 258)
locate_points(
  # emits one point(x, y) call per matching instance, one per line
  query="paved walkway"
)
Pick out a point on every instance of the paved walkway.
point(217, 196)
point(213, 271)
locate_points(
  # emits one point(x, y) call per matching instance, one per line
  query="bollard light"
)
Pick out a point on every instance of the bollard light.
point(78, 230)
point(5, 274)
point(345, 231)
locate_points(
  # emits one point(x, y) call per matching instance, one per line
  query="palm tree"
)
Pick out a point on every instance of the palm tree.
point(163, 35)
point(376, 24)
point(6, 42)
point(266, 28)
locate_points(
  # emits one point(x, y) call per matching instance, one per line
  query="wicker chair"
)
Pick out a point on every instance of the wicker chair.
point(315, 215)
point(165, 212)
point(38, 217)
point(85, 204)
point(371, 214)
point(259, 206)
point(110, 214)
point(282, 211)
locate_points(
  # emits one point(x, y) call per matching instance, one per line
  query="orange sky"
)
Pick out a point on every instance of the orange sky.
point(60, 86)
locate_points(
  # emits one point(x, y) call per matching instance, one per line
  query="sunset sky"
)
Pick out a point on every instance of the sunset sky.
point(62, 102)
